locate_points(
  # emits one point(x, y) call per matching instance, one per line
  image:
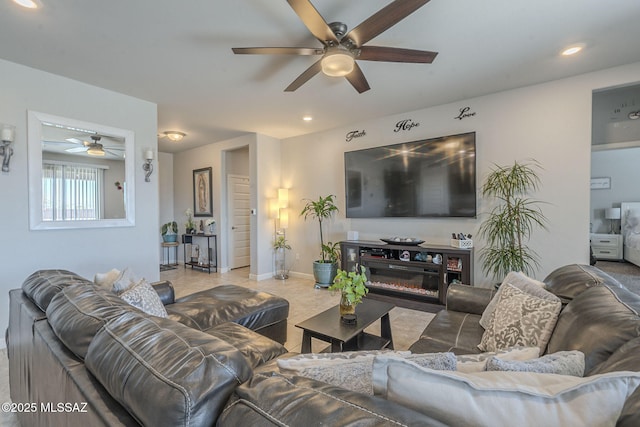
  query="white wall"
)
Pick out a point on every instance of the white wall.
point(85, 251)
point(549, 122)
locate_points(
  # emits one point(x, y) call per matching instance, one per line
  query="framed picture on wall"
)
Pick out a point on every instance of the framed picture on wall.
point(202, 193)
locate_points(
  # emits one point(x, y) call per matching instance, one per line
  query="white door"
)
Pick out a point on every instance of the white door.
point(239, 224)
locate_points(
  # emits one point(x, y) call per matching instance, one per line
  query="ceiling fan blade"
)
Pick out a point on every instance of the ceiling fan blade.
point(278, 50)
point(313, 20)
point(394, 54)
point(305, 76)
point(357, 79)
point(384, 19)
point(76, 150)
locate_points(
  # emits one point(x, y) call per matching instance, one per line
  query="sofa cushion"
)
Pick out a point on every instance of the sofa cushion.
point(520, 319)
point(229, 303)
point(43, 285)
point(520, 281)
point(561, 363)
point(165, 373)
point(508, 398)
point(256, 348)
point(597, 322)
point(79, 311)
point(453, 331)
point(569, 281)
point(271, 399)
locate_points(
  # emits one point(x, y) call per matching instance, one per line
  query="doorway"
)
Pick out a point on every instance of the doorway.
point(238, 203)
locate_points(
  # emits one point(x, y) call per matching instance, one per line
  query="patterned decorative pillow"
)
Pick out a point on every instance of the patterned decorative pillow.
point(520, 319)
point(561, 362)
point(354, 372)
point(145, 298)
point(296, 363)
point(520, 281)
point(477, 362)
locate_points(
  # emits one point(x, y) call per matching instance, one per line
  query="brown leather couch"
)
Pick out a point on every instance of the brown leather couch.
point(139, 370)
point(84, 357)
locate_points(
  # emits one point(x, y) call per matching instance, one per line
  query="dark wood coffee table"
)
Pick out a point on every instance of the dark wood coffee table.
point(328, 327)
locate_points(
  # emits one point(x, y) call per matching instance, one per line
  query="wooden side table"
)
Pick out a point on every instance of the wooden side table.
point(166, 253)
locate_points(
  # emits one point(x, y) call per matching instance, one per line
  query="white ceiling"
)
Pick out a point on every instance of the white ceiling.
point(178, 54)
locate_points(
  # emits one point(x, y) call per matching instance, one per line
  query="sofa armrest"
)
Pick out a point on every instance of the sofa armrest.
point(467, 299)
point(165, 291)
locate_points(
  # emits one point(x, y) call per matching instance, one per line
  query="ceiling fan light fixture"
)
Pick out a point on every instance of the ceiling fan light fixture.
point(337, 62)
point(175, 135)
point(95, 151)
point(29, 4)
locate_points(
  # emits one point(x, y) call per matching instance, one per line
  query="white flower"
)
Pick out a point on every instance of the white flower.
point(210, 221)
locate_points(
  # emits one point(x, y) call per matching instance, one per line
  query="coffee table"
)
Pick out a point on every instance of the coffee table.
point(328, 327)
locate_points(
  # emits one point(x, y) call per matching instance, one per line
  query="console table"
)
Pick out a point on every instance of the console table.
point(212, 251)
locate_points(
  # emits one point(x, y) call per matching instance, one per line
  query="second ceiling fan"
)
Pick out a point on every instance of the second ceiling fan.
point(341, 49)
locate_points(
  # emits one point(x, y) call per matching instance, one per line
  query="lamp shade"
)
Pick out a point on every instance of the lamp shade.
point(283, 197)
point(612, 213)
point(337, 62)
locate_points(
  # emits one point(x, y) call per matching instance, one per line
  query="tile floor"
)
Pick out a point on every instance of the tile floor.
point(304, 302)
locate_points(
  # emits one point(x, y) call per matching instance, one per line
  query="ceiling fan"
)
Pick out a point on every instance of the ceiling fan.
point(95, 147)
point(341, 49)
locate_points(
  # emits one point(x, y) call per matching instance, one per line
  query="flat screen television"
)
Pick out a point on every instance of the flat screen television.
point(428, 178)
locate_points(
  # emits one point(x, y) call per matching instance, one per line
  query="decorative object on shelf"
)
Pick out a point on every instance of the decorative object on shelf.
point(405, 256)
point(190, 225)
point(148, 165)
point(280, 248)
point(512, 220)
point(202, 192)
point(612, 214)
point(211, 225)
point(169, 232)
point(352, 287)
point(437, 259)
point(7, 135)
point(324, 269)
point(412, 241)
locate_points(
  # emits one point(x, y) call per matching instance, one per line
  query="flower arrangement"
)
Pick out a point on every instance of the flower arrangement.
point(210, 221)
point(190, 225)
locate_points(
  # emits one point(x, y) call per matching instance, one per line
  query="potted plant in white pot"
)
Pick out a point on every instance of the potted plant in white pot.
point(512, 220)
point(324, 269)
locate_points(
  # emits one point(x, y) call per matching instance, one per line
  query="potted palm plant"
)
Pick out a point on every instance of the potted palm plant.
point(324, 269)
point(352, 287)
point(280, 246)
point(512, 220)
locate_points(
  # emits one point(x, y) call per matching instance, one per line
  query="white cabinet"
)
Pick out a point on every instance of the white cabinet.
point(607, 246)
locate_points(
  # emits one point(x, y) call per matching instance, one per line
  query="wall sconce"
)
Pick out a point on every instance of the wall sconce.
point(7, 135)
point(147, 166)
point(283, 197)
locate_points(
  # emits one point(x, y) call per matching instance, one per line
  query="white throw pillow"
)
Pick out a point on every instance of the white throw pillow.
point(126, 280)
point(144, 297)
point(106, 280)
point(521, 319)
point(561, 363)
point(506, 398)
point(520, 281)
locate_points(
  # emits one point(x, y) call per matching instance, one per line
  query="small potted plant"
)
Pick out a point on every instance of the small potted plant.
point(211, 224)
point(280, 246)
point(352, 287)
point(324, 269)
point(190, 225)
point(169, 231)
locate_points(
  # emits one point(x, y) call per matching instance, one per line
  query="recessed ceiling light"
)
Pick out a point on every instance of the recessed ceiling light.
point(572, 50)
point(307, 118)
point(29, 4)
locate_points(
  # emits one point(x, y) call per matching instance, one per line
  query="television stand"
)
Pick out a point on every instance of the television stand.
point(407, 274)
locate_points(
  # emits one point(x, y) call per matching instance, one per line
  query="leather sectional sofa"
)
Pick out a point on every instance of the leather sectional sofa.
point(71, 342)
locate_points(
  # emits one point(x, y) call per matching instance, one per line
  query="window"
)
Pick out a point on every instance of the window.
point(71, 192)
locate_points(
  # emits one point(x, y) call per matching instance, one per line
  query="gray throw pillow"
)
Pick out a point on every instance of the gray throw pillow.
point(561, 362)
point(144, 297)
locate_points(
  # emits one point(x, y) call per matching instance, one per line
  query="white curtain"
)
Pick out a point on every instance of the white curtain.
point(71, 192)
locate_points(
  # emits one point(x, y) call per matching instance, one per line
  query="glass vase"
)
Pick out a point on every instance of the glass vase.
point(346, 307)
